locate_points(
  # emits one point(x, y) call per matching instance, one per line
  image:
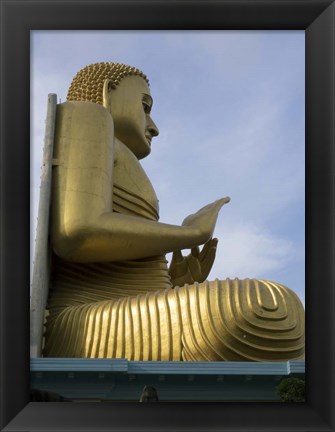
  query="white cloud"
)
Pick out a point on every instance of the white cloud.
point(250, 251)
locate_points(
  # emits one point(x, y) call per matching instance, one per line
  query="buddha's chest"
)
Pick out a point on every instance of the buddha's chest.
point(131, 186)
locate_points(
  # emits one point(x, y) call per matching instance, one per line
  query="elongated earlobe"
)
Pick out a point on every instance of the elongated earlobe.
point(108, 85)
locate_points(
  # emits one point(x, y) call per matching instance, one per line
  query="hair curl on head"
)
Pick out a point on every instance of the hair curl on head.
point(88, 83)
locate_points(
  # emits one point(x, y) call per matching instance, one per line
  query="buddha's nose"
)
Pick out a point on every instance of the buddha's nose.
point(152, 128)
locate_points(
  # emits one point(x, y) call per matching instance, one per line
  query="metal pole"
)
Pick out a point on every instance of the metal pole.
point(41, 265)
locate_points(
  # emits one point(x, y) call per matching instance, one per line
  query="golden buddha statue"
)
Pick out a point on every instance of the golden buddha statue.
point(112, 294)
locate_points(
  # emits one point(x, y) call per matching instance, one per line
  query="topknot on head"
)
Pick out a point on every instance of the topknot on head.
point(88, 83)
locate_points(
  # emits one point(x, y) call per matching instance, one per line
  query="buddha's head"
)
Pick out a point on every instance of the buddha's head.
point(124, 91)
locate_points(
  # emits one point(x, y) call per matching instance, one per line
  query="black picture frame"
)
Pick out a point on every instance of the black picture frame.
point(317, 18)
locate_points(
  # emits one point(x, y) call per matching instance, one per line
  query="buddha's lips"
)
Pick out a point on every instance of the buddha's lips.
point(149, 138)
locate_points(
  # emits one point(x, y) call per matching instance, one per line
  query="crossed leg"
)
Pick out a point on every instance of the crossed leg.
point(230, 320)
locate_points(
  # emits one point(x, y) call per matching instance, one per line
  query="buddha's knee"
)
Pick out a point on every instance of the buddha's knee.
point(242, 320)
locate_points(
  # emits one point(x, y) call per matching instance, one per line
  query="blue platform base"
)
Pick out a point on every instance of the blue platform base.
point(122, 380)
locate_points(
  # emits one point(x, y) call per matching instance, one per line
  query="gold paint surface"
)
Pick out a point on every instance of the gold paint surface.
point(112, 294)
point(199, 322)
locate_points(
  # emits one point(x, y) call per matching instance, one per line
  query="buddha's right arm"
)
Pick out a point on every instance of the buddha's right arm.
point(84, 227)
point(115, 237)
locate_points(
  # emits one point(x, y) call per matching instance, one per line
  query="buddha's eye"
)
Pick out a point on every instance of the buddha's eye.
point(146, 107)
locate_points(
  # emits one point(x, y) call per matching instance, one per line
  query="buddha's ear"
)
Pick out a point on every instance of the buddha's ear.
point(107, 88)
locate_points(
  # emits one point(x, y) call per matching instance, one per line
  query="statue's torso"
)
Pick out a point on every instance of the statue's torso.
point(133, 192)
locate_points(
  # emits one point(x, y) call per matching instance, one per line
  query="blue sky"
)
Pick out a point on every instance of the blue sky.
point(230, 109)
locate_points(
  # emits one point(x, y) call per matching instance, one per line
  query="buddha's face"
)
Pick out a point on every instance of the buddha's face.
point(130, 105)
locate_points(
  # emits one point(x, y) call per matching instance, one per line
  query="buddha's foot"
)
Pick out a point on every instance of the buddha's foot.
point(231, 320)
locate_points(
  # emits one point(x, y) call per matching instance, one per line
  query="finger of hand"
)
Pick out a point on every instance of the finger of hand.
point(182, 279)
point(195, 268)
point(224, 200)
point(208, 207)
point(195, 251)
point(218, 203)
point(210, 256)
point(178, 266)
point(207, 264)
point(221, 202)
point(207, 246)
point(178, 269)
point(207, 250)
point(177, 256)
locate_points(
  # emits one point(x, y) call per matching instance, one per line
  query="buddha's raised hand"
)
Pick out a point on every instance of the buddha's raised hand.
point(194, 267)
point(204, 220)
